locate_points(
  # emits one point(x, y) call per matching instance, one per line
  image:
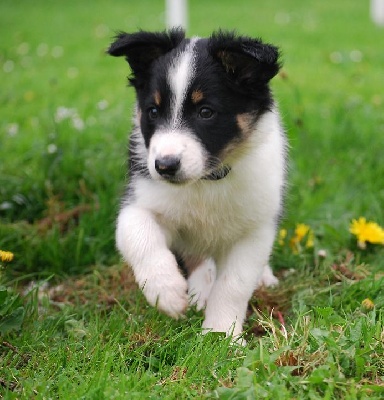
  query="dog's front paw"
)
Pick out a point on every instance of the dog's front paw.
point(167, 292)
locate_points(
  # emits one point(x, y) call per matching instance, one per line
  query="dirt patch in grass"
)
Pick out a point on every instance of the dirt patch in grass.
point(104, 286)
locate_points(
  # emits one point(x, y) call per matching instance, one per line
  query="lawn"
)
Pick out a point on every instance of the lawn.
point(73, 324)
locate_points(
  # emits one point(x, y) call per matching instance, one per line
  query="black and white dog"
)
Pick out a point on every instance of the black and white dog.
point(207, 160)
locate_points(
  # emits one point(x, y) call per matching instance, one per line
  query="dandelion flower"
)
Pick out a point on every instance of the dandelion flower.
point(368, 304)
point(6, 256)
point(302, 231)
point(282, 236)
point(366, 232)
point(310, 240)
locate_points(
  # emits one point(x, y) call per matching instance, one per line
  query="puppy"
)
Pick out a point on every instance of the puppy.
point(206, 172)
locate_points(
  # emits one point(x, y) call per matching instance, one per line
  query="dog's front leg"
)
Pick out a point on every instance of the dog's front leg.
point(239, 272)
point(143, 244)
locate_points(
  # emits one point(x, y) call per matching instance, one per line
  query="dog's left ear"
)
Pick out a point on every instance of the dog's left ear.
point(142, 48)
point(248, 62)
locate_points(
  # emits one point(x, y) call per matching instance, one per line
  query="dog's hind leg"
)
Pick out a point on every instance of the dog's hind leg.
point(143, 244)
point(268, 279)
point(200, 283)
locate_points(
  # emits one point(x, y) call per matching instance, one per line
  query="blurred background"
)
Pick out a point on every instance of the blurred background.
point(66, 110)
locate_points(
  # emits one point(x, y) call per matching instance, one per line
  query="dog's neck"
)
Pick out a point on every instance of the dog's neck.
point(218, 174)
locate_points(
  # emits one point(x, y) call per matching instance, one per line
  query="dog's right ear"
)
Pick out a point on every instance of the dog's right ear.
point(142, 48)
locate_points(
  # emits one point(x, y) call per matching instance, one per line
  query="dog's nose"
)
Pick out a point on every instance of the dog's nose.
point(167, 165)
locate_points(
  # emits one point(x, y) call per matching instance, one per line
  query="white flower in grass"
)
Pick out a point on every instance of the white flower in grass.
point(102, 105)
point(6, 205)
point(12, 129)
point(8, 66)
point(51, 148)
point(78, 123)
point(63, 113)
point(356, 56)
point(42, 49)
point(322, 253)
point(23, 49)
point(57, 51)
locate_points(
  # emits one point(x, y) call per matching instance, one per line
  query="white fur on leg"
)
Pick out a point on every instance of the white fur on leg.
point(268, 279)
point(200, 283)
point(239, 274)
point(143, 244)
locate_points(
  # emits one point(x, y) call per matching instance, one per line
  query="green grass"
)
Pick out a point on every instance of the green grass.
point(94, 337)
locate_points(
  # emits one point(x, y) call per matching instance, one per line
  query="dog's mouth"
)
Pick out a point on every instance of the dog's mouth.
point(218, 173)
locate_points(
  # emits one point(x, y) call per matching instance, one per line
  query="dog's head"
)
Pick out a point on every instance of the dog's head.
point(198, 99)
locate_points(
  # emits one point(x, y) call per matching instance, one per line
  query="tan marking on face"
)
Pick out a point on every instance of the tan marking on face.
point(157, 98)
point(245, 123)
point(237, 147)
point(197, 96)
point(231, 151)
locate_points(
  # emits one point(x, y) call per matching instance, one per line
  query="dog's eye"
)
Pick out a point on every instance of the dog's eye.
point(153, 113)
point(205, 113)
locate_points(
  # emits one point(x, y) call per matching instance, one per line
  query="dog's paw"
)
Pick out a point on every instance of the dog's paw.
point(267, 278)
point(200, 283)
point(232, 329)
point(167, 292)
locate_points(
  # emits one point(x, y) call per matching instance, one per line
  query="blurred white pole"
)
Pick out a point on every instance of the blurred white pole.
point(176, 13)
point(377, 11)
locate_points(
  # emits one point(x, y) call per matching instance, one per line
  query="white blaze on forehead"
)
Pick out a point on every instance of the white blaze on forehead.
point(180, 76)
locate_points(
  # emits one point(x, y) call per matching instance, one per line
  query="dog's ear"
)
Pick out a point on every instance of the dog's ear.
point(248, 62)
point(142, 48)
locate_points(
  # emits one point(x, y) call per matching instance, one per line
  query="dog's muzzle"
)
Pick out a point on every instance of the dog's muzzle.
point(168, 167)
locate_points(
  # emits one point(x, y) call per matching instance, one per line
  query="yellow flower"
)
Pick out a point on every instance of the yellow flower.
point(282, 236)
point(302, 231)
point(368, 304)
point(366, 232)
point(6, 256)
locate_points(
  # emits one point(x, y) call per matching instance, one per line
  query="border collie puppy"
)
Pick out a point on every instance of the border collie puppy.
point(206, 172)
